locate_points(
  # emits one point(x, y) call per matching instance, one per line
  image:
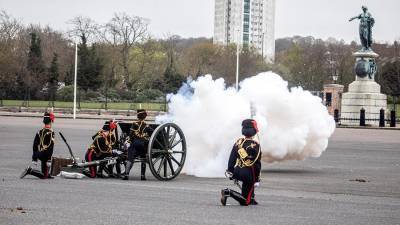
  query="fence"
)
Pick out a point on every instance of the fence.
point(392, 121)
point(151, 106)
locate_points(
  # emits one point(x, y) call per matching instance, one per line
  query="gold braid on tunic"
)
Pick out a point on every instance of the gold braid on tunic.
point(42, 135)
point(139, 132)
point(112, 138)
point(244, 160)
point(96, 145)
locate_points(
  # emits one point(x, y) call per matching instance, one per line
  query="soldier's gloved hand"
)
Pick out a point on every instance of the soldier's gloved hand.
point(229, 175)
point(116, 152)
point(34, 163)
point(257, 184)
point(127, 144)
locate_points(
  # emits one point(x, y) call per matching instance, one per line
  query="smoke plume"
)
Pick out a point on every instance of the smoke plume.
point(293, 124)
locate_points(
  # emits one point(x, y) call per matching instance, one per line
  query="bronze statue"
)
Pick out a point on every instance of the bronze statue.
point(365, 29)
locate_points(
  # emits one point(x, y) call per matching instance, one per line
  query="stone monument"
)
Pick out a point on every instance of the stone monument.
point(364, 92)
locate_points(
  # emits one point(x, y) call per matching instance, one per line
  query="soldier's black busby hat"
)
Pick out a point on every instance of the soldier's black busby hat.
point(249, 127)
point(141, 114)
point(48, 118)
point(106, 127)
point(109, 125)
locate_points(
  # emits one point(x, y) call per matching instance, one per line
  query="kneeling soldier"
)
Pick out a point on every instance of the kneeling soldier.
point(43, 145)
point(99, 149)
point(244, 165)
point(113, 141)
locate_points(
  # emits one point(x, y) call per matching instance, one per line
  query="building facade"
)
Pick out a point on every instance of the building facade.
point(247, 22)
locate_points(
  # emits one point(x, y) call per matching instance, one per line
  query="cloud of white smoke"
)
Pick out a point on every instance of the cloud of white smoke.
point(293, 124)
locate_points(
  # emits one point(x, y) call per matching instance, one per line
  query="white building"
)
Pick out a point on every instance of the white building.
point(249, 22)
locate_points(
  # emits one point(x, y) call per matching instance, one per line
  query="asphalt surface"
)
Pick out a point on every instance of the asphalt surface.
point(326, 190)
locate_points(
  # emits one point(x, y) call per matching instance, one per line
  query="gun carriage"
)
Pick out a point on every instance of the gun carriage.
point(166, 151)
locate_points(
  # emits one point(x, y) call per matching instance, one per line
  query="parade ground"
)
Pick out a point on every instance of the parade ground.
point(355, 181)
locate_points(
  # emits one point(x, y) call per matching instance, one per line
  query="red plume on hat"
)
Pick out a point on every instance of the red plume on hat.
point(52, 117)
point(255, 125)
point(109, 125)
point(113, 125)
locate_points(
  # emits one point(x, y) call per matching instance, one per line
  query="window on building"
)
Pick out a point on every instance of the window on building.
point(246, 28)
point(246, 6)
point(246, 38)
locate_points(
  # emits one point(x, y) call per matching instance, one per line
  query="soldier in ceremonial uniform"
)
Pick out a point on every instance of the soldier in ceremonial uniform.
point(113, 137)
point(244, 165)
point(43, 145)
point(99, 149)
point(113, 141)
point(139, 139)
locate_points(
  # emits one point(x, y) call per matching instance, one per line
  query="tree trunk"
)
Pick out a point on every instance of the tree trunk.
point(105, 106)
point(126, 68)
point(79, 98)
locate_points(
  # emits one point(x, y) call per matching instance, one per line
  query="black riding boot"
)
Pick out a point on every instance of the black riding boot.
point(110, 171)
point(128, 168)
point(118, 169)
point(35, 173)
point(143, 171)
point(100, 171)
point(224, 196)
point(238, 197)
point(253, 200)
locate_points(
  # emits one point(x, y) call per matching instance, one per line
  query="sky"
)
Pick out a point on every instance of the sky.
point(195, 18)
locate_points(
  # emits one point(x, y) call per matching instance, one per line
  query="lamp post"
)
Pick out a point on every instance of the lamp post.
point(75, 77)
point(262, 46)
point(333, 72)
point(237, 60)
point(335, 76)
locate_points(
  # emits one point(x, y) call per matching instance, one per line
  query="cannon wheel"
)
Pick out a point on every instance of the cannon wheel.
point(166, 151)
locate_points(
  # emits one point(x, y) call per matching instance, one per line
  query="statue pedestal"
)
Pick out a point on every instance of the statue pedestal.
point(364, 92)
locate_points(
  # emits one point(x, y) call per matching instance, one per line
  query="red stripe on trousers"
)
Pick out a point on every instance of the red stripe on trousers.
point(248, 199)
point(92, 170)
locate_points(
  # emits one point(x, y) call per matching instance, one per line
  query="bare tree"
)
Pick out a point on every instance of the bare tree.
point(199, 58)
point(84, 28)
point(9, 27)
point(124, 31)
point(9, 30)
point(109, 36)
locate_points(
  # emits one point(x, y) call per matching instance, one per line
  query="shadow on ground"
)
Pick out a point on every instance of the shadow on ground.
point(292, 171)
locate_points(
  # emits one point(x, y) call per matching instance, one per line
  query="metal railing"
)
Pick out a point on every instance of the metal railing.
point(392, 121)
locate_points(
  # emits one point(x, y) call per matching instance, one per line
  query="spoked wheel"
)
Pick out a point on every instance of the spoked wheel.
point(166, 151)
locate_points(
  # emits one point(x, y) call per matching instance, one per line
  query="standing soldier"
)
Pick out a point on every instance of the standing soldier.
point(99, 149)
point(43, 145)
point(244, 165)
point(139, 139)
